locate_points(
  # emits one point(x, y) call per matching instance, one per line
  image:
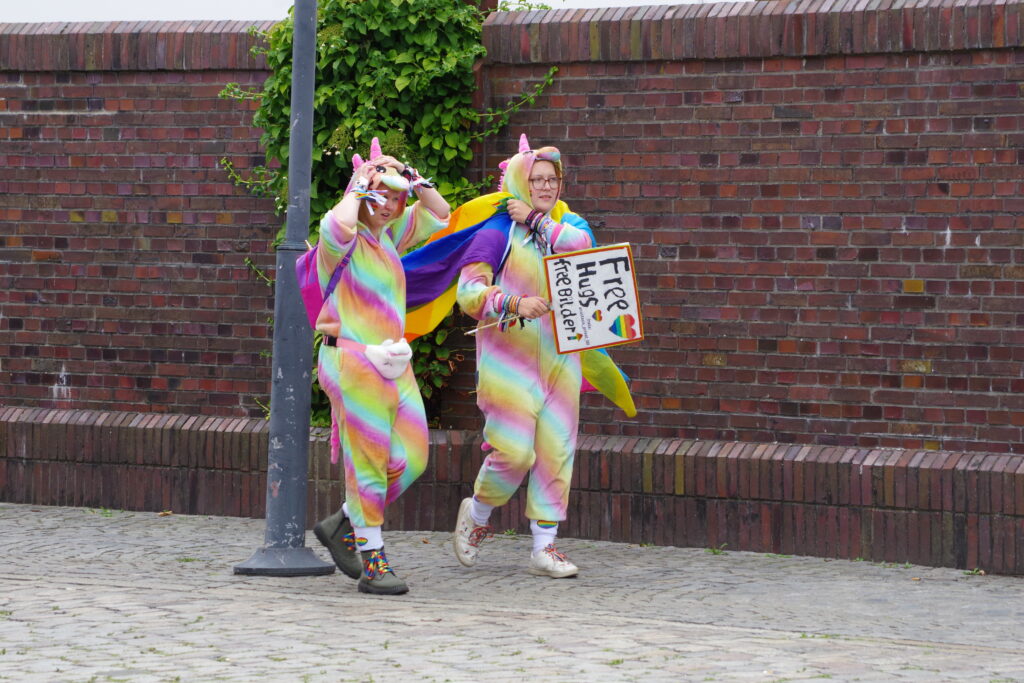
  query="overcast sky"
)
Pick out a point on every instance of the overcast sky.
point(179, 10)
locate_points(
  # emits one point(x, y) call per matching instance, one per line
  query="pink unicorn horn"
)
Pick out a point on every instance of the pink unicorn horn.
point(375, 148)
point(524, 146)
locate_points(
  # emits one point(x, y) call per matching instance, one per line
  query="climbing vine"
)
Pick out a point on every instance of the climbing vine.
point(401, 70)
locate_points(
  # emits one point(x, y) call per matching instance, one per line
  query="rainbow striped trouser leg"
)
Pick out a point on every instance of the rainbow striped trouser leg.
point(382, 428)
point(532, 424)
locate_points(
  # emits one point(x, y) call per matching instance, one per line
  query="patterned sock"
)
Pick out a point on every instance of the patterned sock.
point(480, 512)
point(368, 537)
point(544, 532)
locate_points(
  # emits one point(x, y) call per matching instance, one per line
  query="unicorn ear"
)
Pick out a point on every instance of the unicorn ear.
point(375, 148)
point(357, 161)
point(524, 146)
point(503, 165)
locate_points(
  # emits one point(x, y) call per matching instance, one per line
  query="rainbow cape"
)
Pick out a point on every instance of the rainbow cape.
point(478, 232)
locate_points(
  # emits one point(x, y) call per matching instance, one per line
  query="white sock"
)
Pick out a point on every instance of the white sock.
point(368, 537)
point(344, 508)
point(543, 535)
point(480, 512)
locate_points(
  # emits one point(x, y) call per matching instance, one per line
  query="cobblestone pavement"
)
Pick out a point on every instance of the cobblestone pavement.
point(99, 595)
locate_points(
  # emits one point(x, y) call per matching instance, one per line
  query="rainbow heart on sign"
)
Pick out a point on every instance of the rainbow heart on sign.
point(597, 315)
point(624, 327)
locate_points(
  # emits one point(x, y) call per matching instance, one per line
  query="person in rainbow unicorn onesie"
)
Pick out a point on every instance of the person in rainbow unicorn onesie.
point(528, 392)
point(377, 415)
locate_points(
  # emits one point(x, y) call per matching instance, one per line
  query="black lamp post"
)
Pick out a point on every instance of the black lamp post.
point(284, 552)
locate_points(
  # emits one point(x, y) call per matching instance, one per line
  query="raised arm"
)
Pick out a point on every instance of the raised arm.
point(562, 237)
point(432, 200)
point(346, 212)
point(566, 236)
point(337, 231)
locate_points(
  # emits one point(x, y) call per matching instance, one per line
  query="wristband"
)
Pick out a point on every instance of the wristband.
point(415, 179)
point(371, 197)
point(510, 312)
point(536, 225)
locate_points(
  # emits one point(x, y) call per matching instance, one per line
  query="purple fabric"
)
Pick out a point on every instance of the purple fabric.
point(313, 297)
point(431, 270)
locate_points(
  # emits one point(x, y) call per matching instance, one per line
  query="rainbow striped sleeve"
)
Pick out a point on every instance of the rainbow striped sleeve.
point(476, 293)
point(571, 234)
point(415, 225)
point(332, 247)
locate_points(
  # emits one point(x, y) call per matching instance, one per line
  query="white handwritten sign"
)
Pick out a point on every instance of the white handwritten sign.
point(593, 298)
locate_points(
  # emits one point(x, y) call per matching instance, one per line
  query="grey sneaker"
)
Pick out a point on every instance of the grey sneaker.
point(550, 562)
point(378, 578)
point(468, 535)
point(337, 535)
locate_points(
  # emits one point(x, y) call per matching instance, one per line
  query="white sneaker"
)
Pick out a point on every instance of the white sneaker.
point(468, 535)
point(550, 562)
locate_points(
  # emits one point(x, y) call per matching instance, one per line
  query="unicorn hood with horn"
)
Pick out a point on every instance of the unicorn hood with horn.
point(515, 171)
point(390, 178)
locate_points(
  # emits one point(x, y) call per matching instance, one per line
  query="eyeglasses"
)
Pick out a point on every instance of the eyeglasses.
point(541, 183)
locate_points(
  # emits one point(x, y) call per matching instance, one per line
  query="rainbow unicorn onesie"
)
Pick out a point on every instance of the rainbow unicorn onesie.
point(379, 423)
point(528, 392)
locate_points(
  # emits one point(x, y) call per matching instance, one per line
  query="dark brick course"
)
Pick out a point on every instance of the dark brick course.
point(935, 508)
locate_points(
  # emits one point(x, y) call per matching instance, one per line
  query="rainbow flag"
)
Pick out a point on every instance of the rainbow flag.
point(478, 232)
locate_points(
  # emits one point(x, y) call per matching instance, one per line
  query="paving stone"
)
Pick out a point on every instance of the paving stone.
point(96, 595)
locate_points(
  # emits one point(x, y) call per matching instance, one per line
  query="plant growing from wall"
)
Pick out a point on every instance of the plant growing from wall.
point(401, 70)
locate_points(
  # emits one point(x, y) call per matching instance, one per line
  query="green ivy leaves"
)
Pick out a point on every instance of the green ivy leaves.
point(401, 70)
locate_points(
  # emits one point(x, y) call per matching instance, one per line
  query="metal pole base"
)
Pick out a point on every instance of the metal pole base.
point(284, 562)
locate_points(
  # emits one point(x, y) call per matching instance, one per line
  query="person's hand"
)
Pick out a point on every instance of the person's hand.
point(533, 307)
point(385, 160)
point(518, 211)
point(368, 173)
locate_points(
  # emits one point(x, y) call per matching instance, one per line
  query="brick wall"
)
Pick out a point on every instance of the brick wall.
point(123, 277)
point(824, 205)
point(825, 202)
